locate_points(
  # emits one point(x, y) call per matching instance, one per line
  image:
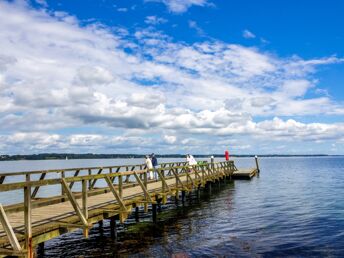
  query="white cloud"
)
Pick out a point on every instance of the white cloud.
point(194, 25)
point(59, 76)
point(42, 2)
point(170, 139)
point(154, 20)
point(248, 34)
point(180, 6)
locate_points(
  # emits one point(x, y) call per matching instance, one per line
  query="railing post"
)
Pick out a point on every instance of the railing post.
point(177, 183)
point(27, 218)
point(120, 186)
point(162, 172)
point(84, 204)
point(145, 182)
point(89, 181)
point(203, 177)
point(62, 188)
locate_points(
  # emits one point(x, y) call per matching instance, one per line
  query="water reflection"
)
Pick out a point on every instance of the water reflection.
point(166, 238)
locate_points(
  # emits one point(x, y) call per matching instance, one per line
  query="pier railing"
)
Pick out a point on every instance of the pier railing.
point(128, 185)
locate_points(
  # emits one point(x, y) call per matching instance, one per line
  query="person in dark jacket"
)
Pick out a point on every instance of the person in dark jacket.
point(155, 165)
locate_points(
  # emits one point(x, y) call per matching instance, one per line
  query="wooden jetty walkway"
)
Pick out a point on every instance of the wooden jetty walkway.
point(86, 196)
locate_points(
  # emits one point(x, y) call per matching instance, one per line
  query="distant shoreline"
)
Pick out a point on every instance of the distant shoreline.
point(62, 156)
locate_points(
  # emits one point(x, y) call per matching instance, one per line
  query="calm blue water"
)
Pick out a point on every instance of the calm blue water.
point(294, 208)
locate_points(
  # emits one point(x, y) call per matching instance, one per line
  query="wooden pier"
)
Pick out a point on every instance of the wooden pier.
point(244, 173)
point(86, 196)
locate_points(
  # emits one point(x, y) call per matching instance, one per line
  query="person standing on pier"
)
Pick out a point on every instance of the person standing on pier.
point(191, 161)
point(155, 165)
point(149, 167)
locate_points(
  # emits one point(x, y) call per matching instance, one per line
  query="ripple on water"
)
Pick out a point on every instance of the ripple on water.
point(295, 208)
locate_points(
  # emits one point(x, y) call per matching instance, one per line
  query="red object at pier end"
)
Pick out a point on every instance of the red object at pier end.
point(227, 155)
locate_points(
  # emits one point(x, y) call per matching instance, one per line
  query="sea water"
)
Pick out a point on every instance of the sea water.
point(294, 208)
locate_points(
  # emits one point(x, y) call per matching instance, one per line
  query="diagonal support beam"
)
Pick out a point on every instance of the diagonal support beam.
point(75, 174)
point(35, 191)
point(74, 202)
point(178, 178)
point(9, 230)
point(190, 178)
point(95, 180)
point(144, 189)
point(115, 193)
point(163, 180)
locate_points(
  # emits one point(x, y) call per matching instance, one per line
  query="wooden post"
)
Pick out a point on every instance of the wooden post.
point(120, 186)
point(100, 228)
point(84, 204)
point(62, 188)
point(177, 184)
point(137, 217)
point(183, 196)
point(90, 181)
point(212, 162)
point(27, 219)
point(161, 175)
point(40, 250)
point(145, 183)
point(113, 227)
point(198, 192)
point(154, 212)
point(202, 177)
point(257, 165)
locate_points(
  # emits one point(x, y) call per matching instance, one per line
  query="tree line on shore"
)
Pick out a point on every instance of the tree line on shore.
point(50, 156)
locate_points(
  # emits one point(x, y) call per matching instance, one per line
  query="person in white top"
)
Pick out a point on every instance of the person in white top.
point(149, 165)
point(192, 160)
point(188, 159)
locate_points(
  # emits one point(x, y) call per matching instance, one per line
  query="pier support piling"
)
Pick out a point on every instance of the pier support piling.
point(183, 197)
point(113, 227)
point(100, 228)
point(154, 212)
point(137, 217)
point(40, 250)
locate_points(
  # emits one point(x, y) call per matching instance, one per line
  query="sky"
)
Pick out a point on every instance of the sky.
point(172, 76)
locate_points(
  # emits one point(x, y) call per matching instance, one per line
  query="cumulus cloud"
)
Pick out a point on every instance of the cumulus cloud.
point(59, 76)
point(248, 34)
point(154, 20)
point(194, 25)
point(180, 6)
point(170, 139)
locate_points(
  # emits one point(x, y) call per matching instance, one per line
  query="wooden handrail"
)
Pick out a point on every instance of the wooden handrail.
point(35, 183)
point(21, 173)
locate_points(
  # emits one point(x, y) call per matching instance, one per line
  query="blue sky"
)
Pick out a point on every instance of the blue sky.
point(172, 76)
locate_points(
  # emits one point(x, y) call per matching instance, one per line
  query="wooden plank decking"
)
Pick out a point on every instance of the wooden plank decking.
point(244, 173)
